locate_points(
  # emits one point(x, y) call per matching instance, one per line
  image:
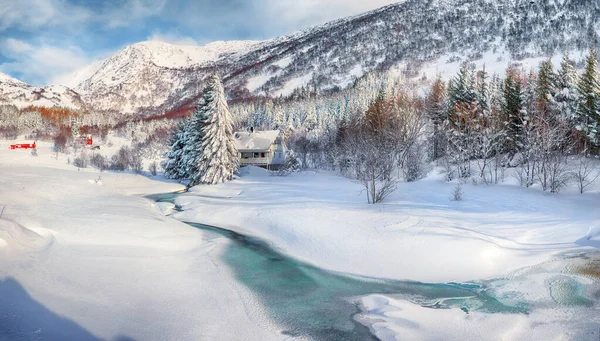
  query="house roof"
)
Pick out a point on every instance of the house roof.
point(257, 140)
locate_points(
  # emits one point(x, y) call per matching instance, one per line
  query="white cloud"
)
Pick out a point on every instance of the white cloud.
point(172, 38)
point(128, 12)
point(33, 14)
point(300, 14)
point(41, 64)
point(39, 60)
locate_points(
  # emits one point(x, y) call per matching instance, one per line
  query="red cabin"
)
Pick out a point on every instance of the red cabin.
point(23, 146)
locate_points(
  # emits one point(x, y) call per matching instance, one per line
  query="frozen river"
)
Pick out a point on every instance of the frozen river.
point(307, 301)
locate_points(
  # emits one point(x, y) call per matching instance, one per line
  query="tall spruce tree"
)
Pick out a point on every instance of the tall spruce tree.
point(588, 113)
point(565, 100)
point(219, 160)
point(192, 150)
point(173, 165)
point(545, 91)
point(513, 110)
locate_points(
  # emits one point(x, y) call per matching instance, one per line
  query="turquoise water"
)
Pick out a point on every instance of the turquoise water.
point(308, 301)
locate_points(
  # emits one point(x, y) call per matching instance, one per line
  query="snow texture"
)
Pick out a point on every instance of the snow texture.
point(417, 234)
point(257, 140)
point(79, 261)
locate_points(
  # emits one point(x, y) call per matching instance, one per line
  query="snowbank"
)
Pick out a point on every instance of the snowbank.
point(80, 261)
point(418, 234)
point(391, 319)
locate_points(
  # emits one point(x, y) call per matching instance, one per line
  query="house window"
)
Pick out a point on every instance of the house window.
point(256, 155)
point(262, 155)
point(246, 155)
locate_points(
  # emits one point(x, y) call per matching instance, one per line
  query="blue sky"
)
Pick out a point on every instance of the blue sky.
point(43, 41)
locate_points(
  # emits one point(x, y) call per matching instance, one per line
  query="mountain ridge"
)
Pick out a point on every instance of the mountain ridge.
point(415, 39)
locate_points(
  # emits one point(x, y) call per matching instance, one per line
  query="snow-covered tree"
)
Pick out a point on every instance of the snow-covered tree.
point(513, 113)
point(566, 97)
point(173, 165)
point(192, 136)
point(588, 113)
point(219, 160)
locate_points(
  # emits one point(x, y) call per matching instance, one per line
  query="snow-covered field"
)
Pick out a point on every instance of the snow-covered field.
point(420, 234)
point(83, 256)
point(417, 234)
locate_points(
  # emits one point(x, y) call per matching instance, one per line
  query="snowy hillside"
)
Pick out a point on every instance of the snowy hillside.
point(145, 75)
point(416, 39)
point(20, 94)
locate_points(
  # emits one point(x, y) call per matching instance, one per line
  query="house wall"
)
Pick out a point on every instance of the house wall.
point(275, 156)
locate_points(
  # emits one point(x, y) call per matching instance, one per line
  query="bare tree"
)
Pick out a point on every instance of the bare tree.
point(585, 174)
point(153, 168)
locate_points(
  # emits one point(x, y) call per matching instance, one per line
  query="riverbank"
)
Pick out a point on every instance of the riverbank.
point(84, 256)
point(417, 234)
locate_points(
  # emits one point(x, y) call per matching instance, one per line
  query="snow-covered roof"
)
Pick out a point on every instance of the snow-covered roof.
point(257, 140)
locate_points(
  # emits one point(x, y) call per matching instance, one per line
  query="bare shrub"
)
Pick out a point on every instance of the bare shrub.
point(553, 172)
point(457, 193)
point(415, 163)
point(585, 174)
point(448, 169)
point(98, 161)
point(60, 142)
point(153, 168)
point(82, 160)
point(126, 158)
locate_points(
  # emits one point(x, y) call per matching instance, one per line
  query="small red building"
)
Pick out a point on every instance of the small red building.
point(23, 146)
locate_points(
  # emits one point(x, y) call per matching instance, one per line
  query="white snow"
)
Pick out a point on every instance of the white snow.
point(284, 62)
point(294, 84)
point(80, 261)
point(418, 234)
point(392, 319)
point(256, 82)
point(257, 140)
point(4, 78)
point(22, 95)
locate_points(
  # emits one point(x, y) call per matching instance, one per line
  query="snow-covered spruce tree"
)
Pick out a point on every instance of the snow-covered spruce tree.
point(566, 97)
point(219, 160)
point(545, 91)
point(513, 114)
point(173, 164)
point(588, 113)
point(462, 120)
point(193, 147)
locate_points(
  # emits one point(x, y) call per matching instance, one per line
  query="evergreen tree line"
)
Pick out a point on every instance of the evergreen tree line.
point(527, 121)
point(475, 125)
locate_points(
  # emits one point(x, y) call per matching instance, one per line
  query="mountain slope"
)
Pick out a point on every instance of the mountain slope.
point(417, 38)
point(20, 94)
point(144, 75)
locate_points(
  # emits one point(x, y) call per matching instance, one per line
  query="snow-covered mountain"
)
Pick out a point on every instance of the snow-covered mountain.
point(416, 38)
point(145, 75)
point(20, 94)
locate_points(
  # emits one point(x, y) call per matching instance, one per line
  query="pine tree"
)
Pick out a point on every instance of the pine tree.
point(513, 117)
point(483, 95)
point(192, 136)
point(219, 160)
point(545, 91)
point(565, 100)
point(588, 113)
point(463, 119)
point(173, 165)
